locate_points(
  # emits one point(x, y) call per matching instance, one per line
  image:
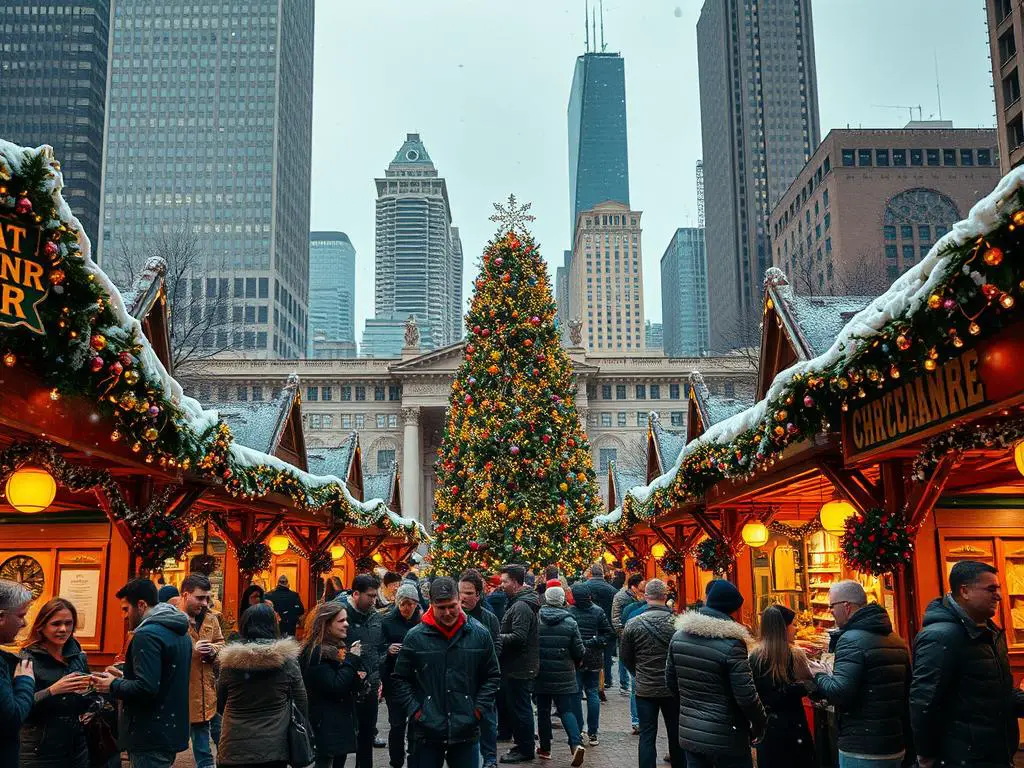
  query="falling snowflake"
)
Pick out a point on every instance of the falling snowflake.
point(513, 217)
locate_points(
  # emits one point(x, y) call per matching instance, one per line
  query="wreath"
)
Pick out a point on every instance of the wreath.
point(204, 564)
point(714, 555)
point(159, 538)
point(634, 565)
point(365, 565)
point(253, 557)
point(672, 563)
point(877, 541)
point(320, 562)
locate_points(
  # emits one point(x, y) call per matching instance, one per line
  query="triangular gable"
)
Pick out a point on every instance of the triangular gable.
point(448, 359)
point(273, 427)
point(344, 462)
point(146, 301)
point(653, 459)
point(290, 437)
point(705, 409)
point(779, 344)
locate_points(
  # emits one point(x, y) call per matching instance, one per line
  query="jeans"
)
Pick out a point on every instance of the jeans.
point(649, 708)
point(199, 733)
point(700, 760)
point(566, 704)
point(433, 755)
point(634, 715)
point(488, 746)
point(520, 710)
point(215, 725)
point(398, 728)
point(366, 719)
point(589, 682)
point(848, 761)
point(623, 674)
point(609, 654)
point(151, 759)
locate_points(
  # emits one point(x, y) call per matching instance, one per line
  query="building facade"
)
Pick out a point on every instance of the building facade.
point(398, 406)
point(654, 336)
point(759, 122)
point(606, 281)
point(684, 294)
point(418, 252)
point(332, 277)
point(209, 137)
point(1006, 37)
point(871, 203)
point(53, 88)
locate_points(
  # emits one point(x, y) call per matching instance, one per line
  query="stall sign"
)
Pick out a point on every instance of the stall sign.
point(979, 379)
point(23, 285)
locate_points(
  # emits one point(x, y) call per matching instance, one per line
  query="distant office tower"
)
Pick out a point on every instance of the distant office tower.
point(563, 311)
point(384, 336)
point(684, 294)
point(210, 120)
point(654, 336)
point(759, 118)
point(1006, 40)
point(53, 87)
point(332, 277)
point(418, 251)
point(606, 279)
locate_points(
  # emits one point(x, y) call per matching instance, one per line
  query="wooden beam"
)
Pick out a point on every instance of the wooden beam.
point(300, 540)
point(264, 533)
point(663, 537)
point(690, 540)
point(861, 492)
point(707, 524)
point(119, 525)
point(219, 519)
point(330, 537)
point(186, 500)
point(922, 500)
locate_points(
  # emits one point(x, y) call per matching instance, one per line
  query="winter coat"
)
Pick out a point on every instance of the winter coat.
point(631, 610)
point(202, 681)
point(16, 699)
point(869, 684)
point(445, 680)
point(595, 628)
point(520, 649)
point(394, 629)
point(288, 606)
point(498, 601)
point(331, 686)
point(602, 593)
point(963, 703)
point(367, 629)
point(52, 736)
point(561, 651)
point(486, 617)
point(258, 682)
point(154, 689)
point(708, 673)
point(787, 742)
point(644, 650)
point(622, 598)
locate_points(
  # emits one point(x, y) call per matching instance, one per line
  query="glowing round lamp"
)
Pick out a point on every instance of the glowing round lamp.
point(755, 534)
point(658, 551)
point(30, 489)
point(378, 557)
point(1018, 456)
point(337, 552)
point(834, 514)
point(608, 557)
point(278, 544)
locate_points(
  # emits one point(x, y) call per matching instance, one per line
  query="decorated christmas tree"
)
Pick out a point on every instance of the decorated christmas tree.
point(515, 482)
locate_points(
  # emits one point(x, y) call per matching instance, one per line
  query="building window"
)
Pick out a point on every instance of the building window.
point(382, 421)
point(606, 419)
point(360, 420)
point(326, 394)
point(606, 391)
point(655, 392)
point(848, 158)
point(360, 393)
point(949, 157)
point(889, 232)
point(924, 231)
point(311, 394)
point(1011, 89)
point(378, 394)
point(243, 394)
point(966, 157)
point(620, 391)
point(605, 456)
point(824, 198)
point(676, 418)
point(641, 418)
point(984, 157)
point(346, 421)
point(863, 157)
point(916, 157)
point(385, 459)
point(890, 253)
point(394, 393)
point(621, 418)
point(882, 157)
point(257, 393)
point(314, 421)
point(899, 157)
point(392, 420)
point(346, 393)
point(932, 156)
point(673, 391)
point(641, 392)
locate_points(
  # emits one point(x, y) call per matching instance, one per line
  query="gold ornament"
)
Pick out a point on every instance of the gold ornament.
point(151, 434)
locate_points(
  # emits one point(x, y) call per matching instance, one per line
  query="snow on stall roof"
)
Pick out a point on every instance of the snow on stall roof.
point(379, 486)
point(624, 480)
point(335, 461)
point(905, 296)
point(822, 318)
point(670, 441)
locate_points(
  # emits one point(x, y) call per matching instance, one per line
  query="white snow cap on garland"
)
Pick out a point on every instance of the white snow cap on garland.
point(905, 296)
point(195, 417)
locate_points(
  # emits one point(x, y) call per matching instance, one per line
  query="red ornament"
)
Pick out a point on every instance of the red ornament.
point(23, 206)
point(96, 364)
point(808, 401)
point(990, 290)
point(50, 249)
point(485, 332)
point(474, 545)
point(126, 359)
point(993, 256)
point(535, 321)
point(506, 278)
point(115, 369)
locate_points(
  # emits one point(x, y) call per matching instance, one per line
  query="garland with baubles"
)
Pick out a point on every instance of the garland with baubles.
point(1002, 434)
point(877, 542)
point(672, 563)
point(253, 557)
point(715, 555)
point(365, 564)
point(320, 562)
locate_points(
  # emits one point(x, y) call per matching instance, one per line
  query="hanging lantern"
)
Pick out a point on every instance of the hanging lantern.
point(30, 489)
point(378, 558)
point(658, 551)
point(337, 552)
point(755, 534)
point(834, 514)
point(278, 544)
point(608, 557)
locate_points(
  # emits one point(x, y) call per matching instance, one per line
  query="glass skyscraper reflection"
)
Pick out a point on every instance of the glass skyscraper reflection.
point(332, 277)
point(684, 294)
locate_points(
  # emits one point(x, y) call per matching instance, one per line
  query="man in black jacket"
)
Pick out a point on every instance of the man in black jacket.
point(364, 626)
point(520, 660)
point(597, 635)
point(17, 679)
point(395, 625)
point(963, 703)
point(707, 673)
point(561, 649)
point(287, 605)
point(154, 723)
point(603, 594)
point(446, 676)
point(869, 681)
point(471, 588)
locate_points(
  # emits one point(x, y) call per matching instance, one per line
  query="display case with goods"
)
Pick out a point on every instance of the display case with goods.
point(824, 568)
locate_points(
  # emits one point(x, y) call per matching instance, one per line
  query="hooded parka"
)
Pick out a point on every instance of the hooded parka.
point(561, 651)
point(520, 649)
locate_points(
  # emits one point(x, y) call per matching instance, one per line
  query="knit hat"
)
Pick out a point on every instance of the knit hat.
point(167, 591)
point(787, 614)
point(723, 596)
point(443, 588)
point(554, 596)
point(656, 589)
point(407, 591)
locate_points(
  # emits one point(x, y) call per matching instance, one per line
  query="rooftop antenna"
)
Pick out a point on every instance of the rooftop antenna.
point(603, 46)
point(593, 17)
point(938, 91)
point(586, 23)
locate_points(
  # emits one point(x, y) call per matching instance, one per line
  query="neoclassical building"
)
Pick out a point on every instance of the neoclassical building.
point(397, 406)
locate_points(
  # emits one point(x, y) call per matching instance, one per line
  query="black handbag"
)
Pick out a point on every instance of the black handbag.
point(300, 739)
point(101, 732)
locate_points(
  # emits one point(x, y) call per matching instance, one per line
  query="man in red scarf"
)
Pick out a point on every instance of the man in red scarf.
point(446, 676)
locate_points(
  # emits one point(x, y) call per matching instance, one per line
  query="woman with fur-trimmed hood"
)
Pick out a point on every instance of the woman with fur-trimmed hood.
point(259, 678)
point(707, 670)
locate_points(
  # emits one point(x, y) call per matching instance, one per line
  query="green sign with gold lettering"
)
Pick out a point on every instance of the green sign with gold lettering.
point(23, 285)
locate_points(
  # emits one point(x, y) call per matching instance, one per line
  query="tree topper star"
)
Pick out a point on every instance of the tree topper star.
point(513, 216)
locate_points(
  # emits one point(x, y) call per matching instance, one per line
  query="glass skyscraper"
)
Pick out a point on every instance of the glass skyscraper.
point(332, 277)
point(53, 89)
point(684, 294)
point(210, 123)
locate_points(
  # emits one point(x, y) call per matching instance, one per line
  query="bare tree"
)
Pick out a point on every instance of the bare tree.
point(741, 336)
point(632, 461)
point(863, 276)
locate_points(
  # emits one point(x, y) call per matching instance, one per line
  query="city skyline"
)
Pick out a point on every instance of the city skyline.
point(495, 127)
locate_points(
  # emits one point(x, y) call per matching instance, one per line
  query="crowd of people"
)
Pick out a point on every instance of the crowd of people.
point(465, 664)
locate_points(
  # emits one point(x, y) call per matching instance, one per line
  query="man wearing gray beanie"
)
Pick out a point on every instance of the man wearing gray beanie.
point(396, 623)
point(561, 649)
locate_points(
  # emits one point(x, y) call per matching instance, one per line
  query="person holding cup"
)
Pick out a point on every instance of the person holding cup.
point(207, 641)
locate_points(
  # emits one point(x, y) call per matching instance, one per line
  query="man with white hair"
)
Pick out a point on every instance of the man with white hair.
point(561, 649)
point(869, 682)
point(18, 693)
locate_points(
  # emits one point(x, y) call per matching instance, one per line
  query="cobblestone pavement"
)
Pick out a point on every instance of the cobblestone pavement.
point(618, 747)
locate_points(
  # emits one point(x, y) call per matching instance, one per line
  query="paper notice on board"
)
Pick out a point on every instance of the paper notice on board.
point(82, 587)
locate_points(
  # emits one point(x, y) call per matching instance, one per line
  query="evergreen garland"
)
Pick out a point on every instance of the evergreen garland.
point(714, 555)
point(254, 557)
point(876, 542)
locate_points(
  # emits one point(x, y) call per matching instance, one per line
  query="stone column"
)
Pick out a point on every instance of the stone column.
point(412, 500)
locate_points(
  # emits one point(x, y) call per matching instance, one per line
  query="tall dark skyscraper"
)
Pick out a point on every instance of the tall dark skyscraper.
point(53, 90)
point(759, 118)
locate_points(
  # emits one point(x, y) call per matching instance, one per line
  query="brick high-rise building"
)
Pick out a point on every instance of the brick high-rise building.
point(1006, 38)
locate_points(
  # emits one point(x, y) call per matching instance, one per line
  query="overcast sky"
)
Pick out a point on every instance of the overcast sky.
point(486, 84)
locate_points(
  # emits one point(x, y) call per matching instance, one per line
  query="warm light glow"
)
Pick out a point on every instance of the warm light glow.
point(658, 551)
point(278, 544)
point(378, 557)
point(30, 489)
point(755, 534)
point(833, 515)
point(337, 552)
point(1018, 456)
point(608, 557)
